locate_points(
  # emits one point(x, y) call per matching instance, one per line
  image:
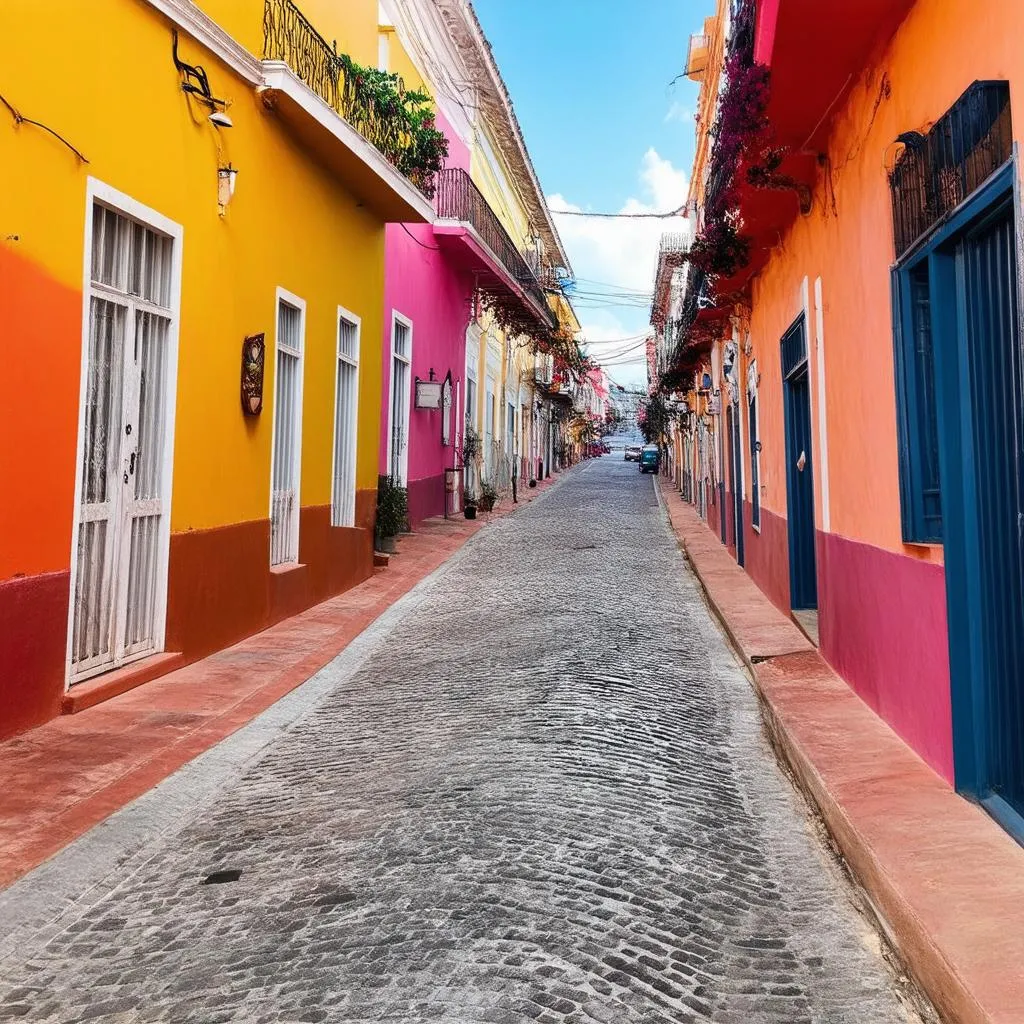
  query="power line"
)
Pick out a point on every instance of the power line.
point(628, 216)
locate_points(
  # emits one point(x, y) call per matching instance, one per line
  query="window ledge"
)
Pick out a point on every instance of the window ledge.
point(287, 567)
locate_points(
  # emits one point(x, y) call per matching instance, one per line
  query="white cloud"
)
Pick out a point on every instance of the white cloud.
point(620, 251)
point(623, 253)
point(679, 112)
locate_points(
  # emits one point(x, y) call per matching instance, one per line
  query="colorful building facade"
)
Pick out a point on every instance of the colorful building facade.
point(856, 355)
point(191, 217)
point(466, 298)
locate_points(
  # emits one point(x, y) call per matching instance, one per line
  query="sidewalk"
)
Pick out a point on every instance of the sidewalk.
point(58, 781)
point(946, 883)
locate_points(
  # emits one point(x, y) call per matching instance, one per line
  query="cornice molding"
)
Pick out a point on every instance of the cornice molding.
point(496, 106)
point(187, 16)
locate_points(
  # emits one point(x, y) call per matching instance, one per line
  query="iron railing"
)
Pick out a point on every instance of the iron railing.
point(459, 199)
point(288, 36)
point(939, 170)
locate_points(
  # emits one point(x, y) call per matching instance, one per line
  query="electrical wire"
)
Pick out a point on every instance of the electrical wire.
point(20, 118)
point(627, 216)
point(422, 245)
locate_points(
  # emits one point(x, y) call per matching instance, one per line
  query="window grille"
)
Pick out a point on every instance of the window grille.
point(284, 512)
point(938, 171)
point(401, 355)
point(346, 400)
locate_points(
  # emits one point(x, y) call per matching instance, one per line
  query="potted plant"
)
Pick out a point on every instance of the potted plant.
point(470, 449)
point(392, 512)
point(488, 495)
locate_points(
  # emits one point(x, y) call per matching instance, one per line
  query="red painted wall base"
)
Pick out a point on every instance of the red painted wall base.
point(33, 646)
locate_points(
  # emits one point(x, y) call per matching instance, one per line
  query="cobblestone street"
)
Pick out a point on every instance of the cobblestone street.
point(542, 795)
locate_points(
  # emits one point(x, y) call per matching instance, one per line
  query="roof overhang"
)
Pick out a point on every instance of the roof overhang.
point(363, 169)
point(815, 50)
point(464, 246)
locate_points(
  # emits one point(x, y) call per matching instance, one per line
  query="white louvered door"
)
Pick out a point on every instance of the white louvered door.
point(120, 574)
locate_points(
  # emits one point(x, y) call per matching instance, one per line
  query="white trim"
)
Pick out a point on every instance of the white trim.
point(812, 403)
point(819, 328)
point(279, 77)
point(283, 296)
point(96, 190)
point(399, 318)
point(357, 323)
point(204, 30)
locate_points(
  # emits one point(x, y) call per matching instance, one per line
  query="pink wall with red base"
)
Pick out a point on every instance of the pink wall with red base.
point(423, 285)
point(767, 555)
point(882, 625)
point(882, 619)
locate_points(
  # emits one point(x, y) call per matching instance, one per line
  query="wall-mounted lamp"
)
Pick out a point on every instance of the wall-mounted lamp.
point(225, 186)
point(196, 83)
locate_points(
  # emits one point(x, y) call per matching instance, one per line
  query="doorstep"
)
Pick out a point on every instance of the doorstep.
point(112, 684)
point(945, 881)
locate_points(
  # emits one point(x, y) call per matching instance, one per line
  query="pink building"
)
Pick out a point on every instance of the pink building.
point(428, 297)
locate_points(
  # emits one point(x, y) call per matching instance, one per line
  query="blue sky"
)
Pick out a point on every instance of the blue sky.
point(591, 83)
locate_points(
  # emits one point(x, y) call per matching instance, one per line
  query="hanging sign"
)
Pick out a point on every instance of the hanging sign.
point(428, 394)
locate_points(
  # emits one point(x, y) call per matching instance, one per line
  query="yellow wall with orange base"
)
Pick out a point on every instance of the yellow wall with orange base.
point(108, 87)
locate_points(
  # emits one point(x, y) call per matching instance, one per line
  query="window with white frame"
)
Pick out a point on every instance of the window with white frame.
point(471, 403)
point(754, 430)
point(510, 429)
point(286, 460)
point(401, 377)
point(346, 401)
point(489, 425)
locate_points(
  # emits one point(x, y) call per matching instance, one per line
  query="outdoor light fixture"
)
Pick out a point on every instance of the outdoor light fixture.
point(197, 83)
point(225, 186)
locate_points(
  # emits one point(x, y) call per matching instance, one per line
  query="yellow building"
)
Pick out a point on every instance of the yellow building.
point(178, 204)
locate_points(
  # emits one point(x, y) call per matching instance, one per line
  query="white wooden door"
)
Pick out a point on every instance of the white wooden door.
point(120, 564)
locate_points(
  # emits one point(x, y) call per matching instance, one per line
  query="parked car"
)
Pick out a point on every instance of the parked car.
point(650, 458)
point(632, 453)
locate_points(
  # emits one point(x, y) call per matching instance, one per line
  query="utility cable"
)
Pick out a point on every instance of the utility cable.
point(19, 118)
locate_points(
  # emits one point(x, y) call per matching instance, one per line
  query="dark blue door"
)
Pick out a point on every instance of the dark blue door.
point(988, 271)
point(735, 478)
point(803, 576)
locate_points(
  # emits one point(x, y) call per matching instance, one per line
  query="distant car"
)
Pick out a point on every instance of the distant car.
point(632, 453)
point(650, 458)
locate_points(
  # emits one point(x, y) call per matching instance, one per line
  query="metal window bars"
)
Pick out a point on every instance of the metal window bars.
point(936, 172)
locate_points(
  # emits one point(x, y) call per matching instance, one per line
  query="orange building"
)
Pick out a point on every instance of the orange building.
point(848, 333)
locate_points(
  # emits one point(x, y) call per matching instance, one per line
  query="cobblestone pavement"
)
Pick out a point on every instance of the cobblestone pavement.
point(545, 797)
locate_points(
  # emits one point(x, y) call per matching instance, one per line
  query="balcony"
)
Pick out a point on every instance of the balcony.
point(469, 229)
point(698, 57)
point(305, 86)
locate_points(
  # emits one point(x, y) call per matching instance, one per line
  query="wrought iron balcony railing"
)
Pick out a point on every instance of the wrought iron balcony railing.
point(459, 199)
point(289, 37)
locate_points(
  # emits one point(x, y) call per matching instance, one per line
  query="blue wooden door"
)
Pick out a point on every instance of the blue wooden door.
point(803, 576)
point(987, 270)
point(735, 478)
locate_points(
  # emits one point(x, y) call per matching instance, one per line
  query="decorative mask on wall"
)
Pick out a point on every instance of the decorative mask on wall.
point(254, 354)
